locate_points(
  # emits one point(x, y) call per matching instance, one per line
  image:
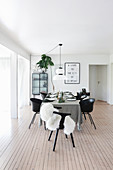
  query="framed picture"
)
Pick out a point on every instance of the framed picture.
point(72, 72)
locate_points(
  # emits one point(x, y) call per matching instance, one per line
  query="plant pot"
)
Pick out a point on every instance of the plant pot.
point(44, 70)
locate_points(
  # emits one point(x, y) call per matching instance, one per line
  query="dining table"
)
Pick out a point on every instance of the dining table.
point(68, 106)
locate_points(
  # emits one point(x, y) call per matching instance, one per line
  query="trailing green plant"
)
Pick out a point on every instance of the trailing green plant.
point(45, 62)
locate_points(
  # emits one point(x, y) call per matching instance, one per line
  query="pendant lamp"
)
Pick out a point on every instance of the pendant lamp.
point(59, 72)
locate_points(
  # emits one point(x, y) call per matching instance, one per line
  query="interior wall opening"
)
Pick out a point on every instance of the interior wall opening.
point(98, 82)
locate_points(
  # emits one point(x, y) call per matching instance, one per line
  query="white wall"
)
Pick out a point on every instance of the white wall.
point(13, 51)
point(84, 61)
point(6, 41)
point(14, 85)
point(110, 81)
point(23, 81)
point(93, 80)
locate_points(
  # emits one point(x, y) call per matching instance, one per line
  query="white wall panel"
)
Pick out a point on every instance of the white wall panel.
point(84, 60)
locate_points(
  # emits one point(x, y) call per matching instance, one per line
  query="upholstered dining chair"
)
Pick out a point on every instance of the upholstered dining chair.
point(36, 104)
point(86, 108)
point(57, 121)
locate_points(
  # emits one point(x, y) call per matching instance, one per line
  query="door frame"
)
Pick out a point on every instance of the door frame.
point(89, 73)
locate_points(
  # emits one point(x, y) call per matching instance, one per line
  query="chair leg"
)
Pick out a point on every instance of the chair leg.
point(90, 118)
point(72, 139)
point(50, 135)
point(32, 121)
point(66, 136)
point(44, 125)
point(84, 115)
point(30, 125)
point(55, 139)
point(92, 121)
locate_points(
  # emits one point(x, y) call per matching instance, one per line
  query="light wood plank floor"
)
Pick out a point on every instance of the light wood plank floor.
point(21, 148)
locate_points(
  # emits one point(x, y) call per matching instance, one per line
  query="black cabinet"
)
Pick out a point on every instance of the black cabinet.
point(39, 83)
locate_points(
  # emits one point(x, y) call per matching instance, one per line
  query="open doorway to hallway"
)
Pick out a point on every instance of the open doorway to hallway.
point(98, 81)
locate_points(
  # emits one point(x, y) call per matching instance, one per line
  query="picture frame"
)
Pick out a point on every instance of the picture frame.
point(72, 72)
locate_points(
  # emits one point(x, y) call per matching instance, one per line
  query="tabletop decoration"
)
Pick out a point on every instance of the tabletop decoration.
point(61, 97)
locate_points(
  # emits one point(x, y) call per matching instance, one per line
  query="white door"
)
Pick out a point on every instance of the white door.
point(98, 81)
point(112, 83)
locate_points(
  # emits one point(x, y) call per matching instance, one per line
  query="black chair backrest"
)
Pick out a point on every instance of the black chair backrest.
point(87, 105)
point(80, 96)
point(43, 94)
point(84, 91)
point(36, 103)
point(63, 115)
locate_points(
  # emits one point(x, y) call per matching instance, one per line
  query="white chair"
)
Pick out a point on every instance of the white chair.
point(56, 120)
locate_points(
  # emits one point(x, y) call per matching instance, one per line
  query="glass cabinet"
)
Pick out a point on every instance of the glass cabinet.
point(39, 83)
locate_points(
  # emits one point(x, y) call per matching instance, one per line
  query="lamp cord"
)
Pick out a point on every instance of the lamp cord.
point(55, 48)
point(60, 56)
point(52, 49)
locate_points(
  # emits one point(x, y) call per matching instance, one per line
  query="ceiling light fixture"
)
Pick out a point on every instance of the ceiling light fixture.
point(60, 71)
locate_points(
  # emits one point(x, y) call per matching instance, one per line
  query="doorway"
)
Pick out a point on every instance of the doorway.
point(111, 84)
point(98, 82)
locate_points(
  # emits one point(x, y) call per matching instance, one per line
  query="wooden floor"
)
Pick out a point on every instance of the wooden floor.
point(21, 148)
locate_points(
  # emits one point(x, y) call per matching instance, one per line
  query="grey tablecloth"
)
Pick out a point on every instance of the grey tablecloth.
point(72, 107)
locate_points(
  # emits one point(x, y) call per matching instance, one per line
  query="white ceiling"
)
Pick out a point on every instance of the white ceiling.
point(83, 26)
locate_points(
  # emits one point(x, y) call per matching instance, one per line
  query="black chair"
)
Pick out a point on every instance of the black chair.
point(80, 96)
point(86, 108)
point(61, 126)
point(36, 103)
point(43, 95)
point(83, 90)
